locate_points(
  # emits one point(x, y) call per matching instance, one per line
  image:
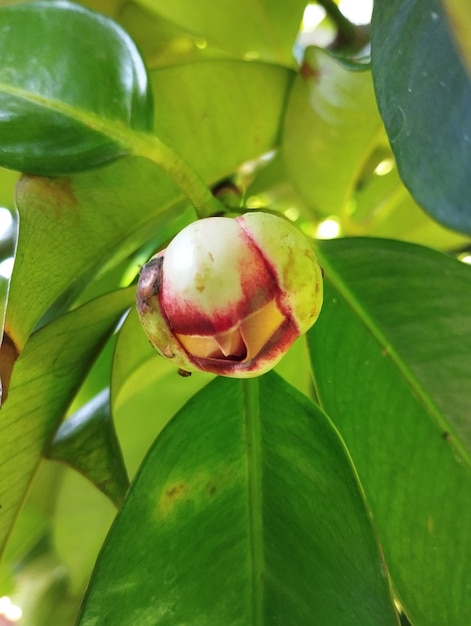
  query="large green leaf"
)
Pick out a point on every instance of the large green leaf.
point(47, 375)
point(390, 353)
point(71, 82)
point(330, 130)
point(424, 96)
point(220, 101)
point(245, 511)
point(264, 28)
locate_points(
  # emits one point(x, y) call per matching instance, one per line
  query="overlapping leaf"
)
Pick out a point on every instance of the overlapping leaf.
point(214, 128)
point(391, 361)
point(74, 227)
point(424, 95)
point(265, 29)
point(45, 379)
point(71, 83)
point(79, 225)
point(330, 130)
point(249, 513)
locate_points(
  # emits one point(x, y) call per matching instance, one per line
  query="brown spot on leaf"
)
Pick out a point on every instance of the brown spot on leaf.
point(56, 196)
point(171, 495)
point(307, 71)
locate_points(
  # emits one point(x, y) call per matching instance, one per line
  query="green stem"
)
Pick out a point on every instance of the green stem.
point(195, 189)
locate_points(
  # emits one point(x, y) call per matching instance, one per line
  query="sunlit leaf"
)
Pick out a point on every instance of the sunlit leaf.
point(228, 125)
point(71, 81)
point(330, 130)
point(262, 29)
point(390, 353)
point(383, 207)
point(248, 512)
point(424, 95)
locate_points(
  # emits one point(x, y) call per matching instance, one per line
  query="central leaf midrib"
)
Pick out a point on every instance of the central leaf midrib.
point(115, 130)
point(252, 432)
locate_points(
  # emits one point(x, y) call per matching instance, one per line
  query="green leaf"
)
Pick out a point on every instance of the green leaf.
point(245, 511)
point(228, 125)
point(87, 442)
point(47, 375)
point(75, 228)
point(330, 130)
point(81, 521)
point(71, 83)
point(424, 96)
point(390, 354)
point(263, 29)
point(382, 207)
point(146, 391)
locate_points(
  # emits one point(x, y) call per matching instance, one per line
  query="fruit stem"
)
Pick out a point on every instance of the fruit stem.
point(190, 183)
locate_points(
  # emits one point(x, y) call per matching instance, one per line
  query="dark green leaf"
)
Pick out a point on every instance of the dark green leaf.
point(424, 96)
point(246, 511)
point(87, 442)
point(71, 84)
point(390, 353)
point(45, 378)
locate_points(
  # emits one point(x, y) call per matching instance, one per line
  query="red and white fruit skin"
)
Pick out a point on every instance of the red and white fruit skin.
point(230, 296)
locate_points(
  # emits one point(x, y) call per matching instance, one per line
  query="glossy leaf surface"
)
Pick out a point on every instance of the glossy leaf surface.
point(71, 83)
point(45, 379)
point(249, 513)
point(391, 363)
point(424, 96)
point(329, 131)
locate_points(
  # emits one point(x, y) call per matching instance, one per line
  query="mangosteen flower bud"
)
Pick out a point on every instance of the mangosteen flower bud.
point(230, 295)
